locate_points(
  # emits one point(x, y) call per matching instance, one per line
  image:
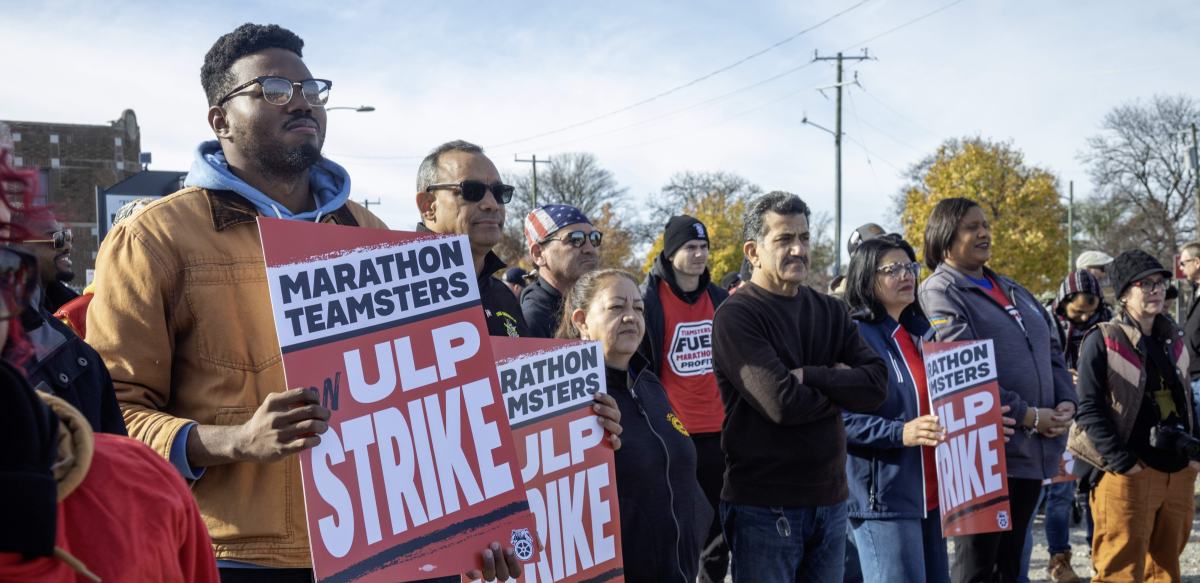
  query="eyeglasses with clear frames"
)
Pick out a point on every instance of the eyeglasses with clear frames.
point(900, 270)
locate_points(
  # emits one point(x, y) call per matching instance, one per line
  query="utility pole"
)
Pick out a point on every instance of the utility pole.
point(1194, 162)
point(837, 140)
point(367, 203)
point(533, 162)
point(1071, 227)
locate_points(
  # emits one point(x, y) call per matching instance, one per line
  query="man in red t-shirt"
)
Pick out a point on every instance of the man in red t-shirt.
point(680, 301)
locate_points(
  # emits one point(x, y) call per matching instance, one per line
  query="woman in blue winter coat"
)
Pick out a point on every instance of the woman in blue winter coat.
point(893, 505)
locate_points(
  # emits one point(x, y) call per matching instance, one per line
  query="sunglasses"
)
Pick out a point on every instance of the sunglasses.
point(578, 238)
point(473, 190)
point(278, 90)
point(61, 239)
point(899, 270)
point(17, 269)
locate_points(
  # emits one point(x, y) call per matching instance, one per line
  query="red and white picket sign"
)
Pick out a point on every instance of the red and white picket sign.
point(418, 471)
point(972, 476)
point(567, 465)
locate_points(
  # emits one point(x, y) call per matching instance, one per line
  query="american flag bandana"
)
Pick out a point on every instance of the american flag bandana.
point(548, 218)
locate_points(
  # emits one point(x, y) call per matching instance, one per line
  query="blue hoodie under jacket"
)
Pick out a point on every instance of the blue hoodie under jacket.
point(330, 184)
point(886, 479)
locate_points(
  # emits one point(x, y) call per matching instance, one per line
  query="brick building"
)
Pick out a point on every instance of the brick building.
point(72, 160)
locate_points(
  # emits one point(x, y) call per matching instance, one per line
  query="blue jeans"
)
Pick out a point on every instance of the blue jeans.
point(1196, 397)
point(1058, 499)
point(902, 549)
point(785, 545)
point(1058, 516)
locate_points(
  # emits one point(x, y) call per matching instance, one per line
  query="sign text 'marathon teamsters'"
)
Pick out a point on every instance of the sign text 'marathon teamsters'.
point(370, 287)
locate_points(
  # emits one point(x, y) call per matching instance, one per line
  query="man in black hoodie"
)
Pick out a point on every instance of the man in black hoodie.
point(680, 300)
point(459, 193)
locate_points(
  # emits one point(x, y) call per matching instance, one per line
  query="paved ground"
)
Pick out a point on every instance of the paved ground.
point(1082, 562)
point(1190, 561)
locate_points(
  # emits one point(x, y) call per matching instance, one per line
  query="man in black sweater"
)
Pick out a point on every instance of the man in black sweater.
point(787, 361)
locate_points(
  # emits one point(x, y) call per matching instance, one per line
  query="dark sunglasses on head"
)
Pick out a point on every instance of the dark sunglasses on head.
point(60, 240)
point(17, 269)
point(278, 90)
point(473, 190)
point(578, 238)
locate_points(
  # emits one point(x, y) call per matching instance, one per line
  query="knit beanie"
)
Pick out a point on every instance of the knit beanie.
point(1132, 266)
point(681, 229)
point(29, 431)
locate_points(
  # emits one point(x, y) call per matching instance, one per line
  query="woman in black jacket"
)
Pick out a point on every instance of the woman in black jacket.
point(664, 514)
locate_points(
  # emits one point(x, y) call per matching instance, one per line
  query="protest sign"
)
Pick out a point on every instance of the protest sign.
point(1065, 466)
point(417, 472)
point(566, 463)
point(972, 476)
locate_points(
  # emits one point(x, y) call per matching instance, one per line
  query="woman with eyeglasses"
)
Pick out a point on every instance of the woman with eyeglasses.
point(966, 300)
point(1135, 430)
point(664, 514)
point(893, 507)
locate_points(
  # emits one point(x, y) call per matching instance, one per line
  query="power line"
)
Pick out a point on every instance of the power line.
point(900, 115)
point(679, 111)
point(877, 156)
point(685, 85)
point(854, 111)
point(885, 134)
point(918, 19)
point(694, 130)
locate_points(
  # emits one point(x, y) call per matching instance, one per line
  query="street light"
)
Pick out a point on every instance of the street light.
point(363, 108)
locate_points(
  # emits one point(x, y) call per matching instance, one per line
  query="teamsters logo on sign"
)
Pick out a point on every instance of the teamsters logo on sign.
point(691, 348)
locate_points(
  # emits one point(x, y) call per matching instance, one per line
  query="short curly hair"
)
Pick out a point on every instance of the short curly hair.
point(247, 39)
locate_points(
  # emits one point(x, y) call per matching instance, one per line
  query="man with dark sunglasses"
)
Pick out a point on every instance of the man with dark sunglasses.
point(62, 364)
point(563, 246)
point(52, 246)
point(459, 192)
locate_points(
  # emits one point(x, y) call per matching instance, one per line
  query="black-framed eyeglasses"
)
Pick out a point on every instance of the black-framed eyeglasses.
point(473, 190)
point(1183, 262)
point(1149, 287)
point(899, 270)
point(278, 90)
point(576, 239)
point(60, 239)
point(17, 270)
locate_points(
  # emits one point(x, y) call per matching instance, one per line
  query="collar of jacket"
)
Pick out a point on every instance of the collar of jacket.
point(961, 280)
point(915, 325)
point(491, 262)
point(638, 364)
point(665, 271)
point(230, 208)
point(1162, 329)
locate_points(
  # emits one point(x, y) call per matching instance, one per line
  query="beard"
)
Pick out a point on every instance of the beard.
point(278, 161)
point(65, 275)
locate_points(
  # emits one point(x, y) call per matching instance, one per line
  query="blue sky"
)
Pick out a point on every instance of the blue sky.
point(1041, 74)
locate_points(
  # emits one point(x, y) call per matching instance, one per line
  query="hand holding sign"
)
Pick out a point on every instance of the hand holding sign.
point(609, 417)
point(286, 423)
point(1009, 422)
point(923, 430)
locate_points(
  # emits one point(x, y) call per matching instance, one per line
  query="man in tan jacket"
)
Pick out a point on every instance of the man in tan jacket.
point(182, 316)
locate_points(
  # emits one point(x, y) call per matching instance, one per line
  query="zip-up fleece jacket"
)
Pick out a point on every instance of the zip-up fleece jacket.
point(1029, 358)
point(664, 514)
point(541, 304)
point(182, 317)
point(652, 342)
point(887, 479)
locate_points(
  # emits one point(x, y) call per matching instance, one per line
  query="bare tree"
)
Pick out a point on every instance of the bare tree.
point(574, 178)
point(692, 190)
point(1139, 169)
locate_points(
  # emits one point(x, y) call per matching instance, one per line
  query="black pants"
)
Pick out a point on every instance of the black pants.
point(710, 472)
point(240, 575)
point(995, 557)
